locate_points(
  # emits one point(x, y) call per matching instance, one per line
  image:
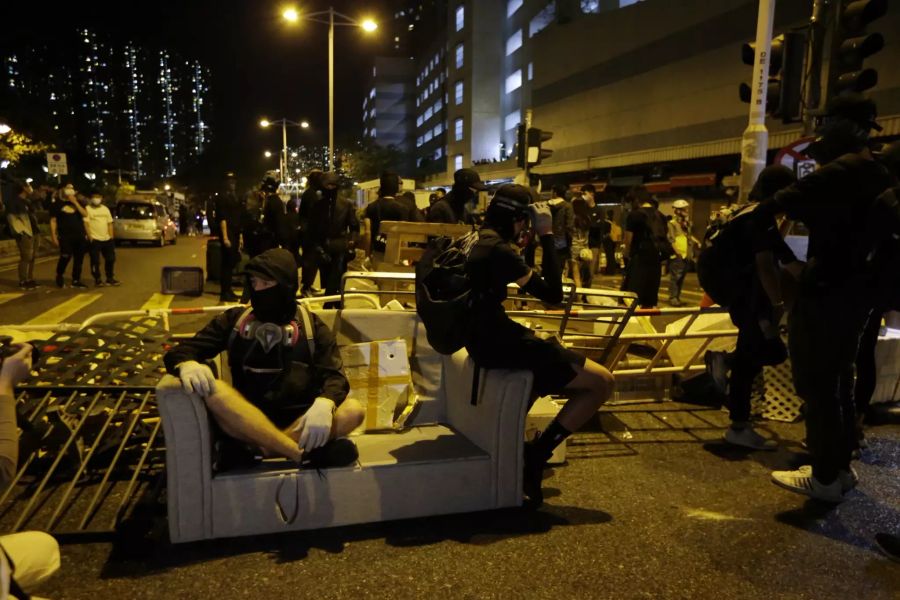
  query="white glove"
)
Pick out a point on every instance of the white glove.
point(541, 218)
point(315, 425)
point(196, 377)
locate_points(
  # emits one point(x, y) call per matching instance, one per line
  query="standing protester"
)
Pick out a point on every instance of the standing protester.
point(756, 306)
point(24, 227)
point(829, 313)
point(496, 341)
point(595, 236)
point(582, 256)
point(459, 205)
point(682, 240)
point(642, 272)
point(386, 207)
point(68, 233)
point(334, 229)
point(100, 235)
point(308, 199)
point(228, 226)
point(256, 237)
point(563, 224)
point(280, 219)
point(413, 213)
point(611, 241)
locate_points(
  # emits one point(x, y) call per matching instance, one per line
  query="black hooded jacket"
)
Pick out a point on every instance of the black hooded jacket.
point(302, 377)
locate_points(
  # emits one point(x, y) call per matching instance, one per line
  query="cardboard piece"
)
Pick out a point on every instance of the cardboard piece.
point(380, 380)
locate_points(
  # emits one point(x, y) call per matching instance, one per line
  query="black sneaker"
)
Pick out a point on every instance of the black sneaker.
point(889, 545)
point(229, 297)
point(60, 282)
point(534, 473)
point(98, 283)
point(31, 284)
point(113, 282)
point(79, 285)
point(23, 285)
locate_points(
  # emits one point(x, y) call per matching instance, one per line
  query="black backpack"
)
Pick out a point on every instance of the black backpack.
point(718, 268)
point(881, 263)
point(444, 292)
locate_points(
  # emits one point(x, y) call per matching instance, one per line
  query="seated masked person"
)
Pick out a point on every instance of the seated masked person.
point(289, 393)
point(496, 341)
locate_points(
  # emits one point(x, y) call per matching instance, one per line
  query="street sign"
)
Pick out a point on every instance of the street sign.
point(794, 158)
point(56, 163)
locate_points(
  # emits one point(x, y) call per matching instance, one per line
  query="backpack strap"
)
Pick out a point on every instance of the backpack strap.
point(238, 325)
point(308, 330)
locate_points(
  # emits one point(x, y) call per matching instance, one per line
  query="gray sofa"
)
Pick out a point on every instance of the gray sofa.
point(454, 456)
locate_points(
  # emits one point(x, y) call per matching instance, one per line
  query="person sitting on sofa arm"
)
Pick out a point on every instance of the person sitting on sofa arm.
point(290, 394)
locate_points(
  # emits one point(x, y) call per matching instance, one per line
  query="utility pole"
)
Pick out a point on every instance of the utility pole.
point(755, 141)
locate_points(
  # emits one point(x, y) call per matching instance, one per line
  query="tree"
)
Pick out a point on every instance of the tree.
point(14, 146)
point(368, 160)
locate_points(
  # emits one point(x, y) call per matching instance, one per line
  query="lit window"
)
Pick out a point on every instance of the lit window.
point(460, 17)
point(514, 81)
point(514, 42)
point(530, 71)
point(419, 121)
point(438, 153)
point(458, 92)
point(438, 106)
point(459, 56)
point(542, 19)
point(512, 120)
point(429, 112)
point(457, 162)
point(418, 141)
point(512, 6)
point(428, 136)
point(623, 3)
point(438, 129)
point(458, 129)
point(591, 6)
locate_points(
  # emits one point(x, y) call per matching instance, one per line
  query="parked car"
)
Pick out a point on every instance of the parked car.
point(143, 221)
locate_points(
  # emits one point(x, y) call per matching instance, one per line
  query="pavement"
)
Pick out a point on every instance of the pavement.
point(651, 504)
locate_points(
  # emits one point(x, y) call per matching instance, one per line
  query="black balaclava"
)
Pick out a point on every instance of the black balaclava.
point(277, 304)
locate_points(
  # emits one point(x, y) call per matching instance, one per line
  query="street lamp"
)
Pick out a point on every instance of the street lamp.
point(264, 123)
point(267, 154)
point(291, 15)
point(4, 128)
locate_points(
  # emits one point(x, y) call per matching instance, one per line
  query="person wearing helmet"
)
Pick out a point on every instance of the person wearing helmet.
point(682, 241)
point(497, 342)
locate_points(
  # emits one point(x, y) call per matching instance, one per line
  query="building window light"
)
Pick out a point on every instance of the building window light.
point(458, 90)
point(459, 56)
point(514, 42)
point(512, 6)
point(458, 129)
point(514, 81)
point(460, 17)
point(457, 162)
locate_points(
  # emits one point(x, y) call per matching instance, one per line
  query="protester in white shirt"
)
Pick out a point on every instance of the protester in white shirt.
point(99, 225)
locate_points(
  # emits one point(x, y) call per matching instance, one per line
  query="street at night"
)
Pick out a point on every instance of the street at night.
point(450, 299)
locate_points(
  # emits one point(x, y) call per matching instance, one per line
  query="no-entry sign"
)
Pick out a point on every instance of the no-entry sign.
point(56, 163)
point(794, 158)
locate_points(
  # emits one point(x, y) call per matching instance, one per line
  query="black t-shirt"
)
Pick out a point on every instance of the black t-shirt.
point(492, 265)
point(639, 224)
point(386, 208)
point(228, 209)
point(331, 222)
point(69, 222)
point(599, 226)
point(834, 203)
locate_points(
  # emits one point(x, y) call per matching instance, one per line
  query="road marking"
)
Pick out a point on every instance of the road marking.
point(158, 301)
point(37, 262)
point(61, 312)
point(9, 297)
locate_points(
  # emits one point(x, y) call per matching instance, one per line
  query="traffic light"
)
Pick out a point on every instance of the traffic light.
point(535, 138)
point(785, 80)
point(521, 147)
point(851, 45)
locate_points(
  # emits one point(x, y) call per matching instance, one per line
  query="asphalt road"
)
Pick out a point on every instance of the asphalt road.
point(651, 504)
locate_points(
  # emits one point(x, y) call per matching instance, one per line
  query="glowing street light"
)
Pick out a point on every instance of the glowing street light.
point(367, 25)
point(167, 187)
point(4, 128)
point(267, 154)
point(264, 123)
point(304, 124)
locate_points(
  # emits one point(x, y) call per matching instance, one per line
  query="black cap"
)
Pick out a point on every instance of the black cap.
point(771, 180)
point(854, 107)
point(469, 178)
point(512, 197)
point(270, 185)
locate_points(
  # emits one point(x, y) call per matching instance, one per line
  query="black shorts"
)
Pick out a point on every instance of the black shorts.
point(553, 365)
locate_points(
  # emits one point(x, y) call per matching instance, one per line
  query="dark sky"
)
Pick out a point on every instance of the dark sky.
point(261, 65)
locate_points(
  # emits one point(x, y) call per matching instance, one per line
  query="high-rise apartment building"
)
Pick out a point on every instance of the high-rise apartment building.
point(129, 108)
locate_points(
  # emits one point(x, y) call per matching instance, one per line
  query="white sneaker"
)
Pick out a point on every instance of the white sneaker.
point(803, 482)
point(849, 479)
point(748, 438)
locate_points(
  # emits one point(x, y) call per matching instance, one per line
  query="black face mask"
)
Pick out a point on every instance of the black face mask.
point(273, 305)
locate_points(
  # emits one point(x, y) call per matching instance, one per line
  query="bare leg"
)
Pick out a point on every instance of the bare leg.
point(348, 416)
point(241, 420)
point(591, 387)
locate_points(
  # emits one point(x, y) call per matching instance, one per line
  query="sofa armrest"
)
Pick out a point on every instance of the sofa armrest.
point(496, 422)
point(188, 461)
